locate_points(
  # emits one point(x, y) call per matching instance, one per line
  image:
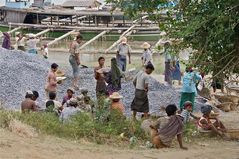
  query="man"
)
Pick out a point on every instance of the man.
point(32, 44)
point(122, 51)
point(168, 66)
point(74, 59)
point(99, 76)
point(69, 111)
point(51, 83)
point(69, 94)
point(28, 104)
point(141, 83)
point(20, 41)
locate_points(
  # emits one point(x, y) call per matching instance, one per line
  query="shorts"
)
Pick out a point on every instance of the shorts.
point(74, 66)
point(32, 51)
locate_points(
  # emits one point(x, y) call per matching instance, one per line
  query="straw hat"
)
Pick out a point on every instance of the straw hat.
point(116, 95)
point(31, 35)
point(145, 45)
point(124, 40)
point(73, 102)
point(17, 33)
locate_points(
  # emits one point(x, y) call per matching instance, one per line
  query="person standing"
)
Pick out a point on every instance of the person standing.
point(74, 60)
point(147, 54)
point(123, 51)
point(100, 78)
point(113, 78)
point(20, 41)
point(51, 83)
point(45, 51)
point(141, 83)
point(189, 91)
point(32, 44)
point(6, 41)
point(168, 67)
point(176, 73)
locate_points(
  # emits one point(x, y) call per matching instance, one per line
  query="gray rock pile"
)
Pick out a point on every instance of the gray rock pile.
point(21, 72)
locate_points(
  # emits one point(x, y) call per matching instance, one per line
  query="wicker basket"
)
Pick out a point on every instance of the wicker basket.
point(232, 133)
point(226, 107)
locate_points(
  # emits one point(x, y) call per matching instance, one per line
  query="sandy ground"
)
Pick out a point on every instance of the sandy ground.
point(13, 146)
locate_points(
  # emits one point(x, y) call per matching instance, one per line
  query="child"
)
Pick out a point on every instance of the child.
point(205, 122)
point(70, 92)
point(174, 127)
point(116, 103)
point(186, 113)
point(52, 105)
point(45, 51)
point(84, 101)
point(69, 111)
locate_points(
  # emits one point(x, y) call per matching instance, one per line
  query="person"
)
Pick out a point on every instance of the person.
point(69, 94)
point(69, 111)
point(45, 51)
point(100, 79)
point(116, 103)
point(6, 41)
point(189, 91)
point(32, 44)
point(205, 122)
point(20, 41)
point(122, 51)
point(28, 104)
point(141, 83)
point(113, 78)
point(176, 73)
point(52, 105)
point(186, 113)
point(51, 83)
point(84, 101)
point(168, 67)
point(147, 54)
point(164, 136)
point(74, 59)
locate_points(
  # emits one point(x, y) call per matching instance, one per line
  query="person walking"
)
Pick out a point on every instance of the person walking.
point(189, 91)
point(141, 83)
point(20, 41)
point(147, 54)
point(74, 60)
point(168, 67)
point(176, 73)
point(123, 51)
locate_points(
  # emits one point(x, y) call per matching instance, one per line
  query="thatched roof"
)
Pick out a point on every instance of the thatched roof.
point(81, 3)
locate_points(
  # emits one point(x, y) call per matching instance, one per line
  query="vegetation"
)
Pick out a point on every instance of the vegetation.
point(210, 27)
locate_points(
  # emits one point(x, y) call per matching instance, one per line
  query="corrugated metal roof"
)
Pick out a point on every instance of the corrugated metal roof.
point(81, 3)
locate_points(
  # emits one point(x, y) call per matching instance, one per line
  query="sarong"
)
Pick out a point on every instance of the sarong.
point(140, 102)
point(187, 97)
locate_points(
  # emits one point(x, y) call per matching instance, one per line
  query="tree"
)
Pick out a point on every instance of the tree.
point(211, 27)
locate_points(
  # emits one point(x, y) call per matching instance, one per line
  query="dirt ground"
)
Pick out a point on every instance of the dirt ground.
point(12, 146)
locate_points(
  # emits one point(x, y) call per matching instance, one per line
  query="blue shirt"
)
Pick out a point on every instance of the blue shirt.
point(189, 82)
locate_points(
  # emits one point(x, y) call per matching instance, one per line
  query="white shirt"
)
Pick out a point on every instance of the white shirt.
point(20, 42)
point(141, 79)
point(32, 43)
point(147, 57)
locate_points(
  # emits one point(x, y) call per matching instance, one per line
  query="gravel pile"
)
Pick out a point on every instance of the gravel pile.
point(21, 72)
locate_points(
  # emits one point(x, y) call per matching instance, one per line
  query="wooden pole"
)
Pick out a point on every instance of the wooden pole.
point(60, 38)
point(13, 30)
point(93, 39)
point(42, 32)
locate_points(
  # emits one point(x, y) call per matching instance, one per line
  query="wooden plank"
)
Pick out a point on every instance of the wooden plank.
point(60, 38)
point(93, 39)
point(42, 32)
point(13, 30)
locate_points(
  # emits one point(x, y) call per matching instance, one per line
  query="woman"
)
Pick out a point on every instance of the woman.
point(176, 74)
point(189, 91)
point(114, 78)
point(6, 41)
point(74, 60)
point(168, 59)
point(147, 54)
point(51, 83)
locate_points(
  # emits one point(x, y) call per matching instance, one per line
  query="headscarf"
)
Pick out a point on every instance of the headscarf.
point(115, 72)
point(206, 109)
point(6, 41)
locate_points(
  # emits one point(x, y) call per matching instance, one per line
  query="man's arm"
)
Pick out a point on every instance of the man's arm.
point(180, 141)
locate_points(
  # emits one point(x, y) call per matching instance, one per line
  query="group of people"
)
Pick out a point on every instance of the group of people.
point(29, 41)
point(108, 85)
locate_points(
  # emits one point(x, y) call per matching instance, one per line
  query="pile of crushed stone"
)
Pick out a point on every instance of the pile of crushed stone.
point(21, 72)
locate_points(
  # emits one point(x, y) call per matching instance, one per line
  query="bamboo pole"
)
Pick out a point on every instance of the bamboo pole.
point(60, 38)
point(42, 32)
point(13, 30)
point(93, 39)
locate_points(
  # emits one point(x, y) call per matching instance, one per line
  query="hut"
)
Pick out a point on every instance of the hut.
point(81, 4)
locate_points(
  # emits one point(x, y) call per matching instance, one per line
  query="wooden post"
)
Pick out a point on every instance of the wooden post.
point(77, 20)
point(89, 20)
point(37, 18)
point(51, 20)
point(71, 20)
point(60, 38)
point(93, 39)
point(58, 22)
point(124, 20)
